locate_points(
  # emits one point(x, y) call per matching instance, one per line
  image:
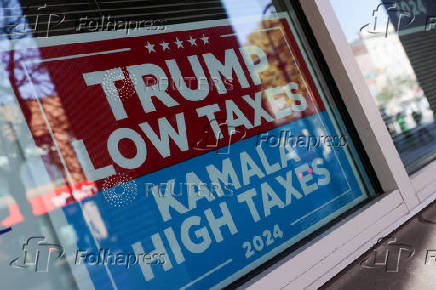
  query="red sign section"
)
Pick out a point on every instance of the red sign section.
point(139, 104)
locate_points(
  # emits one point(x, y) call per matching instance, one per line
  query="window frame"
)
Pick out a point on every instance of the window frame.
point(403, 196)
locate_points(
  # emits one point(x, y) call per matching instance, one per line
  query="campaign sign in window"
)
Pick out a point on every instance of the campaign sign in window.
point(207, 153)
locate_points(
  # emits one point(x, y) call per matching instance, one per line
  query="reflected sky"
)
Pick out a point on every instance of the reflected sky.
point(354, 14)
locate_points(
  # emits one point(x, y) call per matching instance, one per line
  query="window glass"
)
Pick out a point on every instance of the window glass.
point(393, 43)
point(162, 145)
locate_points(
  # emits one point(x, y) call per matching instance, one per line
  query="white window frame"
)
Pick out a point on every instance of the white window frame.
point(404, 196)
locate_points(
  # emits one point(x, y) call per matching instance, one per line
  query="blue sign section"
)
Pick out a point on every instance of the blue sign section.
point(217, 216)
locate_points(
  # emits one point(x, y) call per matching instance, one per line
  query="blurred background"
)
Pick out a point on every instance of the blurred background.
point(394, 45)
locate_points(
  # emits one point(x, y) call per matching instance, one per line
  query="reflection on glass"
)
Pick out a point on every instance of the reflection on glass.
point(393, 44)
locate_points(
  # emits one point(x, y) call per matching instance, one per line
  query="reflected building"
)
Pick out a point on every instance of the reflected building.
point(417, 33)
point(390, 77)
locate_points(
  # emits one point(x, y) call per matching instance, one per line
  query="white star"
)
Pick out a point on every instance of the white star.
point(164, 45)
point(150, 47)
point(205, 39)
point(178, 43)
point(192, 41)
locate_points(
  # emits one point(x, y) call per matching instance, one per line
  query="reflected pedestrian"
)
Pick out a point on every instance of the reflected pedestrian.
point(422, 131)
point(405, 129)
